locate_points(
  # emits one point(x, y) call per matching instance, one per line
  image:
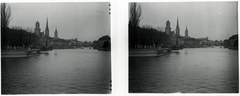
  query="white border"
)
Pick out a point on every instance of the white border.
point(119, 53)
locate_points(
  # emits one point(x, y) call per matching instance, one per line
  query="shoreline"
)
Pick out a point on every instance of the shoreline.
point(19, 53)
point(148, 52)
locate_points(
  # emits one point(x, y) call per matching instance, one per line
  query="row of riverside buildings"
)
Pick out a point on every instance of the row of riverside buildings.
point(55, 42)
point(58, 43)
point(187, 41)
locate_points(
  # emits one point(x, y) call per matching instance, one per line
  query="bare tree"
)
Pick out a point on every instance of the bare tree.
point(160, 28)
point(5, 15)
point(28, 29)
point(147, 26)
point(135, 14)
point(17, 28)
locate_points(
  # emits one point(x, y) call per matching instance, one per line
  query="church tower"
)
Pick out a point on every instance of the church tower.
point(37, 28)
point(177, 29)
point(56, 34)
point(186, 33)
point(168, 28)
point(47, 30)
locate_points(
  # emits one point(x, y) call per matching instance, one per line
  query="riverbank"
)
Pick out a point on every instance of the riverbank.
point(63, 72)
point(210, 70)
point(19, 53)
point(148, 52)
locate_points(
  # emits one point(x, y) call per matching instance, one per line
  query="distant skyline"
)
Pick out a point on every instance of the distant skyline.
point(85, 21)
point(215, 20)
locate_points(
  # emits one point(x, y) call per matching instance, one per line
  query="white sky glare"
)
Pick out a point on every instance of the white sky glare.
point(85, 21)
point(215, 20)
point(90, 21)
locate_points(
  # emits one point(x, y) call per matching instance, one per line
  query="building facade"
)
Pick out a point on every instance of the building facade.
point(45, 39)
point(168, 28)
point(176, 39)
point(186, 33)
point(37, 28)
point(56, 34)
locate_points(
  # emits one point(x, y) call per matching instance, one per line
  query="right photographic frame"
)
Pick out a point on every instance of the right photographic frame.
point(183, 47)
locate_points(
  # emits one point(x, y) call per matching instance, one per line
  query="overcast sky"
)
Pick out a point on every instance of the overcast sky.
point(215, 20)
point(85, 21)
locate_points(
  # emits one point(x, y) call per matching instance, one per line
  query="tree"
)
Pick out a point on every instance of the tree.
point(135, 14)
point(160, 28)
point(147, 27)
point(5, 15)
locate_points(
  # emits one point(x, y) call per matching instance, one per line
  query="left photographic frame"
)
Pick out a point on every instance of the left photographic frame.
point(56, 48)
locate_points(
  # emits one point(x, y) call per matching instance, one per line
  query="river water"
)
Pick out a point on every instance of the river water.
point(60, 71)
point(199, 70)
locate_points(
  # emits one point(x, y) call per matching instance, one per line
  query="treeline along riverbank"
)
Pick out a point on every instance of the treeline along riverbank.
point(147, 38)
point(17, 39)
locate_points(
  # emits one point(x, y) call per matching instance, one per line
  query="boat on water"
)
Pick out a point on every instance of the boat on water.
point(45, 49)
point(148, 52)
point(174, 51)
point(19, 53)
point(104, 49)
point(233, 48)
point(175, 47)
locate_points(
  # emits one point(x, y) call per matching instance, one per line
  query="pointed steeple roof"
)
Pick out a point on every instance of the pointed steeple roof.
point(177, 23)
point(56, 29)
point(47, 25)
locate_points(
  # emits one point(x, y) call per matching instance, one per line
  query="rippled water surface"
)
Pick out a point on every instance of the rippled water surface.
point(60, 71)
point(200, 70)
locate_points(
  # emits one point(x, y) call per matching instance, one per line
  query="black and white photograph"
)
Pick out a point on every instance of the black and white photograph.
point(55, 48)
point(183, 47)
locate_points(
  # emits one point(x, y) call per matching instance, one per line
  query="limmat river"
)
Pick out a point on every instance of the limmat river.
point(60, 71)
point(199, 70)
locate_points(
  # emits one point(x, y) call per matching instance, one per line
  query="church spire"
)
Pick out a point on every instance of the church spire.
point(177, 29)
point(47, 24)
point(56, 34)
point(47, 29)
point(177, 24)
point(186, 32)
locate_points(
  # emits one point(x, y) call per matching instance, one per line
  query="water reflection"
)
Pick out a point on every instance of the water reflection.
point(197, 70)
point(59, 71)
